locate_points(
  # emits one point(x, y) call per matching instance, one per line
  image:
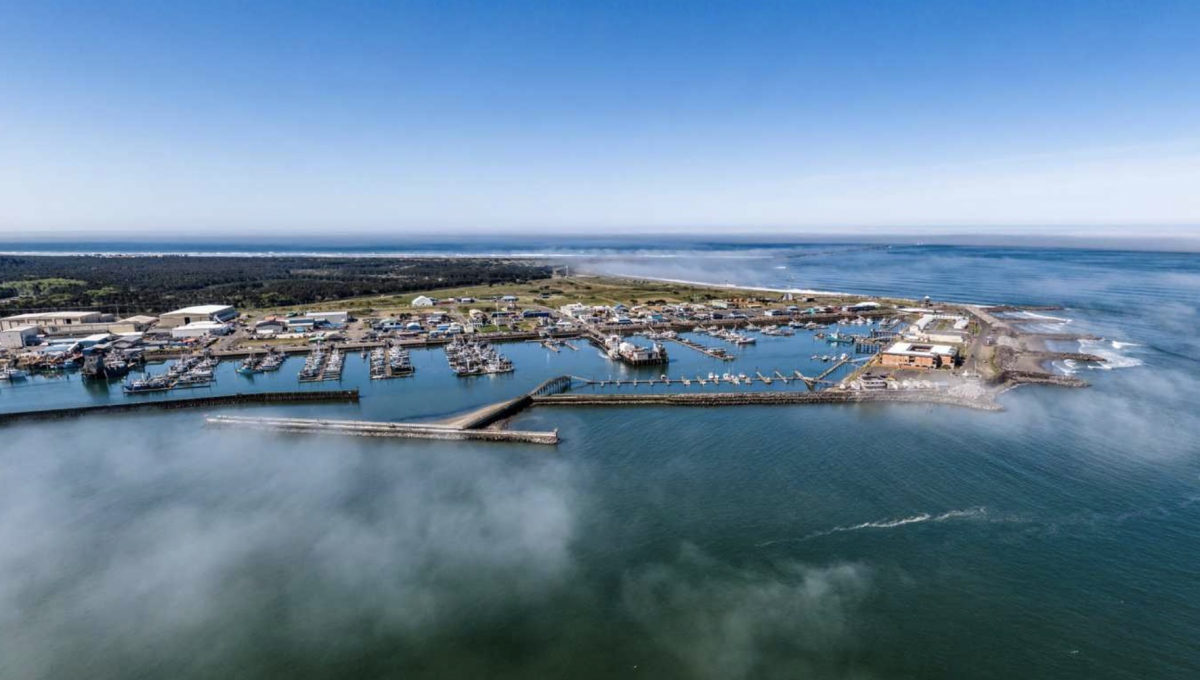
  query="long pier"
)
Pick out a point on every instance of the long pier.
point(240, 399)
point(363, 428)
point(475, 426)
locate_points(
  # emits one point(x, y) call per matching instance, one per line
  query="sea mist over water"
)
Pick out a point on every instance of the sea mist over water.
point(171, 552)
point(151, 547)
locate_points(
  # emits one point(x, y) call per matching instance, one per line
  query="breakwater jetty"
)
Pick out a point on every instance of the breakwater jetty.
point(480, 425)
point(363, 428)
point(241, 399)
point(767, 398)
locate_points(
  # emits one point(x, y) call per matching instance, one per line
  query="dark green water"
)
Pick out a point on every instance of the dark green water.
point(1059, 539)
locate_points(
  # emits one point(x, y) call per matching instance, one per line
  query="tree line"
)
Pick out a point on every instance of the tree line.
point(156, 284)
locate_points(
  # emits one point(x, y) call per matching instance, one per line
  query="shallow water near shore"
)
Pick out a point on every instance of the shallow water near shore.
point(1057, 539)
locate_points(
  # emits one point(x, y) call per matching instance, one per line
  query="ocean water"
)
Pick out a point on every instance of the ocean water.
point(1057, 539)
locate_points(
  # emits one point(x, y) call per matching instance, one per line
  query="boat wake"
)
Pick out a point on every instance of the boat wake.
point(885, 524)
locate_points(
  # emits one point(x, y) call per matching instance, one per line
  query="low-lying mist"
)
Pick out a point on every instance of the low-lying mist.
point(148, 547)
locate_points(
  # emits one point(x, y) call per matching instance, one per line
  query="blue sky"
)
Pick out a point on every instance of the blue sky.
point(720, 117)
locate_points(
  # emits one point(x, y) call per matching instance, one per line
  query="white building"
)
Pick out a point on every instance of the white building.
point(199, 329)
point(17, 337)
point(574, 309)
point(189, 315)
point(926, 330)
point(329, 317)
point(423, 301)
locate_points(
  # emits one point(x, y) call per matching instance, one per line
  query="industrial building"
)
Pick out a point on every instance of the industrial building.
point(329, 317)
point(270, 326)
point(189, 315)
point(17, 337)
point(78, 323)
point(911, 355)
point(940, 328)
point(133, 324)
point(51, 319)
point(199, 329)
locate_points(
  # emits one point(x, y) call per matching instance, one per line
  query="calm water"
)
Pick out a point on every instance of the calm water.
point(1059, 539)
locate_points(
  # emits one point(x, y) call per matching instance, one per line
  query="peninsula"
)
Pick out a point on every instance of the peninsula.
point(650, 333)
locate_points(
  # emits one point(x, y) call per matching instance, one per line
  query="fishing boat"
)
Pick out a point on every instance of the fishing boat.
point(249, 366)
point(400, 362)
point(272, 361)
point(157, 383)
point(12, 375)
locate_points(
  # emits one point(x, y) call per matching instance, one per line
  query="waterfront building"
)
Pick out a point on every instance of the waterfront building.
point(271, 326)
point(329, 317)
point(134, 324)
point(939, 328)
point(199, 313)
point(199, 329)
point(912, 355)
point(49, 320)
point(17, 337)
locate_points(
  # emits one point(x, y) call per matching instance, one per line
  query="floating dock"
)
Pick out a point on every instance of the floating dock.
point(718, 353)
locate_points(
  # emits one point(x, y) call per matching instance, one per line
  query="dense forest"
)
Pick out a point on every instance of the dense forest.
point(155, 284)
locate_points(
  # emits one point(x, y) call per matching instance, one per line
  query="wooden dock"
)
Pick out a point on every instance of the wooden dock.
point(707, 351)
point(833, 368)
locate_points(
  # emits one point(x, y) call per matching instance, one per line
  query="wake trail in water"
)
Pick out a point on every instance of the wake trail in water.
point(885, 524)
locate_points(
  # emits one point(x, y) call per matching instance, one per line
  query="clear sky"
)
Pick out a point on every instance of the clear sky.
point(165, 117)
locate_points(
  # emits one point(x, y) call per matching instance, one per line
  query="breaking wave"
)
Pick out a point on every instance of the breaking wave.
point(885, 524)
point(1110, 351)
point(1044, 317)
